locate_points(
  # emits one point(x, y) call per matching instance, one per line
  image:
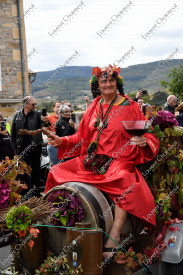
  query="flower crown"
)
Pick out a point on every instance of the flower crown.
point(110, 70)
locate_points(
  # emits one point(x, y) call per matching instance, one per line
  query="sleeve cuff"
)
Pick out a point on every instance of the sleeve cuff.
point(150, 150)
point(65, 142)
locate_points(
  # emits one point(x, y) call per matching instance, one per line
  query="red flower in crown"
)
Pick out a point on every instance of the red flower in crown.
point(97, 71)
point(110, 70)
point(116, 69)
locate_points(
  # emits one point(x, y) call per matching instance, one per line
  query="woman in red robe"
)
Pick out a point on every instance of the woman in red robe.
point(105, 157)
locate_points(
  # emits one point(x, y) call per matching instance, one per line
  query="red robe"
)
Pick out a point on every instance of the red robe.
point(122, 181)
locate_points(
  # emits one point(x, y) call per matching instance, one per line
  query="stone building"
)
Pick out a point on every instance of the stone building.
point(14, 75)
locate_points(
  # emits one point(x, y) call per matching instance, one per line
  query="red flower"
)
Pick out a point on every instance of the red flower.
point(31, 244)
point(97, 71)
point(175, 228)
point(130, 249)
point(21, 233)
point(117, 69)
point(177, 220)
point(34, 232)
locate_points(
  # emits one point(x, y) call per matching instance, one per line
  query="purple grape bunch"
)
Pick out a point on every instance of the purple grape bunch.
point(69, 208)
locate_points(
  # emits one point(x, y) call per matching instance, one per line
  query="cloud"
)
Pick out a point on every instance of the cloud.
point(99, 34)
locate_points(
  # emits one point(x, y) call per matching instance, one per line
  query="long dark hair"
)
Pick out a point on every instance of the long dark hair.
point(95, 86)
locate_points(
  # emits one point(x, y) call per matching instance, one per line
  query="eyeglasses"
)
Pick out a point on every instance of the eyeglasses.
point(67, 112)
point(33, 104)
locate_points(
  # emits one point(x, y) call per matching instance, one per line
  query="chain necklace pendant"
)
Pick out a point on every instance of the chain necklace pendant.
point(101, 125)
point(95, 124)
point(105, 124)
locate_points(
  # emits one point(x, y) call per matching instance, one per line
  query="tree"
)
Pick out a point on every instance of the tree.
point(132, 94)
point(47, 105)
point(145, 97)
point(159, 98)
point(175, 84)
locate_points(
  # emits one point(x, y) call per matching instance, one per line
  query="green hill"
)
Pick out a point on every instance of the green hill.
point(73, 82)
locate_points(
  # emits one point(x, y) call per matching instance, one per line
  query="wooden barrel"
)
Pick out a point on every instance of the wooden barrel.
point(85, 247)
point(97, 210)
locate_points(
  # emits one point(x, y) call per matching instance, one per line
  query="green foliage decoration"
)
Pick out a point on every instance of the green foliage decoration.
point(19, 218)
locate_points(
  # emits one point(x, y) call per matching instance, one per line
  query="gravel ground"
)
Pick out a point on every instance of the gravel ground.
point(5, 261)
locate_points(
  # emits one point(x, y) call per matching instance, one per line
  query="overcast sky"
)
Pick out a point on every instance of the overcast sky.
point(98, 32)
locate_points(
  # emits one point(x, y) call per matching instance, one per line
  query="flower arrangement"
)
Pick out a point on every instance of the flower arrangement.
point(57, 265)
point(165, 120)
point(10, 187)
point(168, 168)
point(19, 219)
point(52, 265)
point(164, 176)
point(69, 208)
point(131, 258)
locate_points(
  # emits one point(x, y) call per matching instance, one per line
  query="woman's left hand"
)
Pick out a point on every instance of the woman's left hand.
point(71, 122)
point(140, 141)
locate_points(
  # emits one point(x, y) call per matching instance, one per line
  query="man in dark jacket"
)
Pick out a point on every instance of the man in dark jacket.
point(171, 104)
point(26, 146)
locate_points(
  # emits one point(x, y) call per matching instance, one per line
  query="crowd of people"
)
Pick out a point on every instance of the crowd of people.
point(29, 147)
point(102, 135)
point(172, 105)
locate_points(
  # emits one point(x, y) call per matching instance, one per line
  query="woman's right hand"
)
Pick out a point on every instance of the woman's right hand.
point(54, 140)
